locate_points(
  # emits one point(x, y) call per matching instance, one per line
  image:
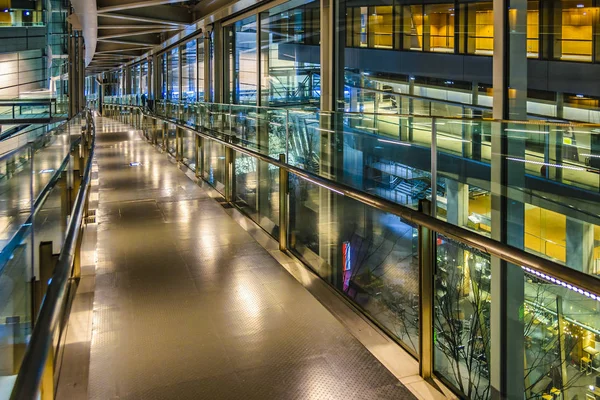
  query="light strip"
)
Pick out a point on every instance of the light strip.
point(394, 142)
point(546, 164)
point(591, 155)
point(525, 131)
point(323, 186)
point(561, 283)
point(324, 130)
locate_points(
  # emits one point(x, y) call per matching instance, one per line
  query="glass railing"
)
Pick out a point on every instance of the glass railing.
point(327, 213)
point(33, 214)
point(553, 167)
point(31, 109)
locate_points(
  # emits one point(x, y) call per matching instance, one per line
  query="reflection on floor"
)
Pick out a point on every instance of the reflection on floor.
point(188, 305)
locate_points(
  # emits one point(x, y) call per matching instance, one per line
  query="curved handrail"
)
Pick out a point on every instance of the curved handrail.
point(32, 366)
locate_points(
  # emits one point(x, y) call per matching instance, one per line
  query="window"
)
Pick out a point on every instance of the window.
point(533, 29)
point(480, 28)
point(573, 40)
point(380, 29)
point(412, 27)
point(188, 71)
point(173, 75)
point(439, 24)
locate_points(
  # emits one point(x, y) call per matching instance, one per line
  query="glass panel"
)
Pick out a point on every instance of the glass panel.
point(173, 75)
point(371, 258)
point(286, 81)
point(214, 164)
point(241, 62)
point(189, 148)
point(462, 318)
point(189, 71)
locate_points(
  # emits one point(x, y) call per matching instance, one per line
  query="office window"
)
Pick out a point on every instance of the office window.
point(439, 24)
point(573, 40)
point(533, 29)
point(480, 28)
point(412, 27)
point(380, 29)
point(357, 26)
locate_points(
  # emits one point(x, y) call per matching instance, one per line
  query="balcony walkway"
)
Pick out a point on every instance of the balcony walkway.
point(187, 305)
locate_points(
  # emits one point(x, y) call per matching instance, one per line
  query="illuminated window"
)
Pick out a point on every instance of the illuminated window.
point(573, 40)
point(381, 27)
point(439, 24)
point(533, 28)
point(480, 28)
point(412, 27)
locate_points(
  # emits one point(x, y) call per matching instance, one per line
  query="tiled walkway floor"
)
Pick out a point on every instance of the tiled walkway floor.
point(188, 306)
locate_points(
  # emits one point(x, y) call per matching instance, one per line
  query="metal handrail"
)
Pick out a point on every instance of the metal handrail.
point(27, 382)
point(585, 284)
point(422, 116)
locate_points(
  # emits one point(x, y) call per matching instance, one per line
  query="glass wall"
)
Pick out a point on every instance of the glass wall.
point(189, 71)
point(241, 62)
point(173, 92)
point(284, 80)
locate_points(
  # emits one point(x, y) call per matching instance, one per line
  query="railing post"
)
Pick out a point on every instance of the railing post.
point(427, 260)
point(47, 262)
point(165, 132)
point(178, 143)
point(199, 157)
point(283, 204)
point(228, 173)
point(47, 382)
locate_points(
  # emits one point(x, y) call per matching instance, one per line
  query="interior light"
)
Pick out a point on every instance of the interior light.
point(6, 10)
point(27, 12)
point(580, 6)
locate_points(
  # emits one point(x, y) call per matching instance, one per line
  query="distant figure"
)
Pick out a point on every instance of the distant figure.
point(144, 100)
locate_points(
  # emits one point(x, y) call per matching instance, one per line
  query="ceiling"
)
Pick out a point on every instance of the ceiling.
point(127, 29)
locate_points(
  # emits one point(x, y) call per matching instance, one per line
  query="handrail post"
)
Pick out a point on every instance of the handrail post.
point(283, 204)
point(229, 176)
point(199, 157)
point(178, 144)
point(427, 260)
point(165, 131)
point(47, 383)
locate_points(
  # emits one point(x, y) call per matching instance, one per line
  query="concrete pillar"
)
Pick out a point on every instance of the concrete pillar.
point(457, 202)
point(580, 245)
point(560, 105)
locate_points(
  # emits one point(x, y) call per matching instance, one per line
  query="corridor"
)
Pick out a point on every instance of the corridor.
point(188, 305)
